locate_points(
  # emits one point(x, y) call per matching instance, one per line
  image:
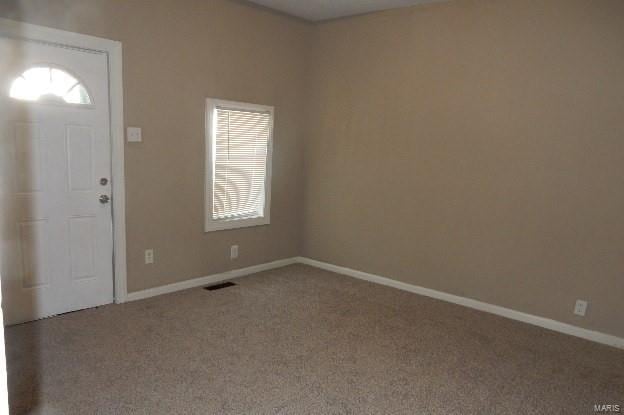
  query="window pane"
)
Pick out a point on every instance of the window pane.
point(49, 84)
point(240, 158)
point(61, 82)
point(77, 95)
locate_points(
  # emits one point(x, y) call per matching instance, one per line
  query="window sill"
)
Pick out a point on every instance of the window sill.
point(222, 225)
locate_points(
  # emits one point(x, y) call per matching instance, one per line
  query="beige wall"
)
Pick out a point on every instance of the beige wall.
point(177, 53)
point(475, 147)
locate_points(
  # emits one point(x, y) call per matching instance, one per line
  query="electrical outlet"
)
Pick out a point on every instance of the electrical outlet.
point(134, 135)
point(580, 308)
point(149, 256)
point(234, 252)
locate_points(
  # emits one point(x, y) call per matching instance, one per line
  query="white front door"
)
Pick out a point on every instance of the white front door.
point(56, 246)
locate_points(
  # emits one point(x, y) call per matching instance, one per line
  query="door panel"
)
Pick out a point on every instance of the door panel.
point(82, 247)
point(56, 237)
point(33, 240)
point(29, 154)
point(79, 155)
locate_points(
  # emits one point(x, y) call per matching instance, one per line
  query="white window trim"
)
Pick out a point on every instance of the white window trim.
point(211, 225)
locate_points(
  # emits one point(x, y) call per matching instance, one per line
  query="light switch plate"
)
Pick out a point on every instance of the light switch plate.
point(580, 308)
point(149, 256)
point(133, 135)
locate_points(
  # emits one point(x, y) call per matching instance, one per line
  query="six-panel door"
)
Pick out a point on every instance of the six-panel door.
point(56, 236)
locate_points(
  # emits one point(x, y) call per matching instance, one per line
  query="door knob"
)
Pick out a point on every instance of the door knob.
point(104, 199)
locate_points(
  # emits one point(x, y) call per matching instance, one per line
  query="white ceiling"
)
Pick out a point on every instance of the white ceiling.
point(317, 10)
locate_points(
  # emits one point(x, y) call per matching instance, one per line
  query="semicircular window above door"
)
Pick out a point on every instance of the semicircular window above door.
point(48, 84)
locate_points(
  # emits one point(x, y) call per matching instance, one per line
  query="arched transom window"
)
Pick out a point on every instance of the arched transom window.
point(48, 84)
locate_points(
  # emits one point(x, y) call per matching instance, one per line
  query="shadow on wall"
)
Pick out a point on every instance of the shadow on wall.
point(12, 9)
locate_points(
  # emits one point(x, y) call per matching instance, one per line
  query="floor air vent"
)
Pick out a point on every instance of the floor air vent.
point(219, 286)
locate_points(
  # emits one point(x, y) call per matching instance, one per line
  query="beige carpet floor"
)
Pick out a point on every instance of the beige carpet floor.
point(299, 340)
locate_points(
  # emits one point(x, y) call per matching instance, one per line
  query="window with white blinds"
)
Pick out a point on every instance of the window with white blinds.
point(239, 140)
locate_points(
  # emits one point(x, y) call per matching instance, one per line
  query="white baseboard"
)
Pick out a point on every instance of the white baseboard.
point(546, 323)
point(210, 279)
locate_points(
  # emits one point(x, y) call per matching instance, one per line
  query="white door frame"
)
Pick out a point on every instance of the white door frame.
point(113, 50)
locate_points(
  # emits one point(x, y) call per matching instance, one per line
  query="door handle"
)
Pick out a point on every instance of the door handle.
point(104, 199)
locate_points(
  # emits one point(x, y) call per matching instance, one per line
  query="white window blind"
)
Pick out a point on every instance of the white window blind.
point(240, 144)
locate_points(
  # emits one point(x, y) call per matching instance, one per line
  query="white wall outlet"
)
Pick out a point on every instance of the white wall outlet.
point(234, 252)
point(149, 256)
point(134, 135)
point(580, 308)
